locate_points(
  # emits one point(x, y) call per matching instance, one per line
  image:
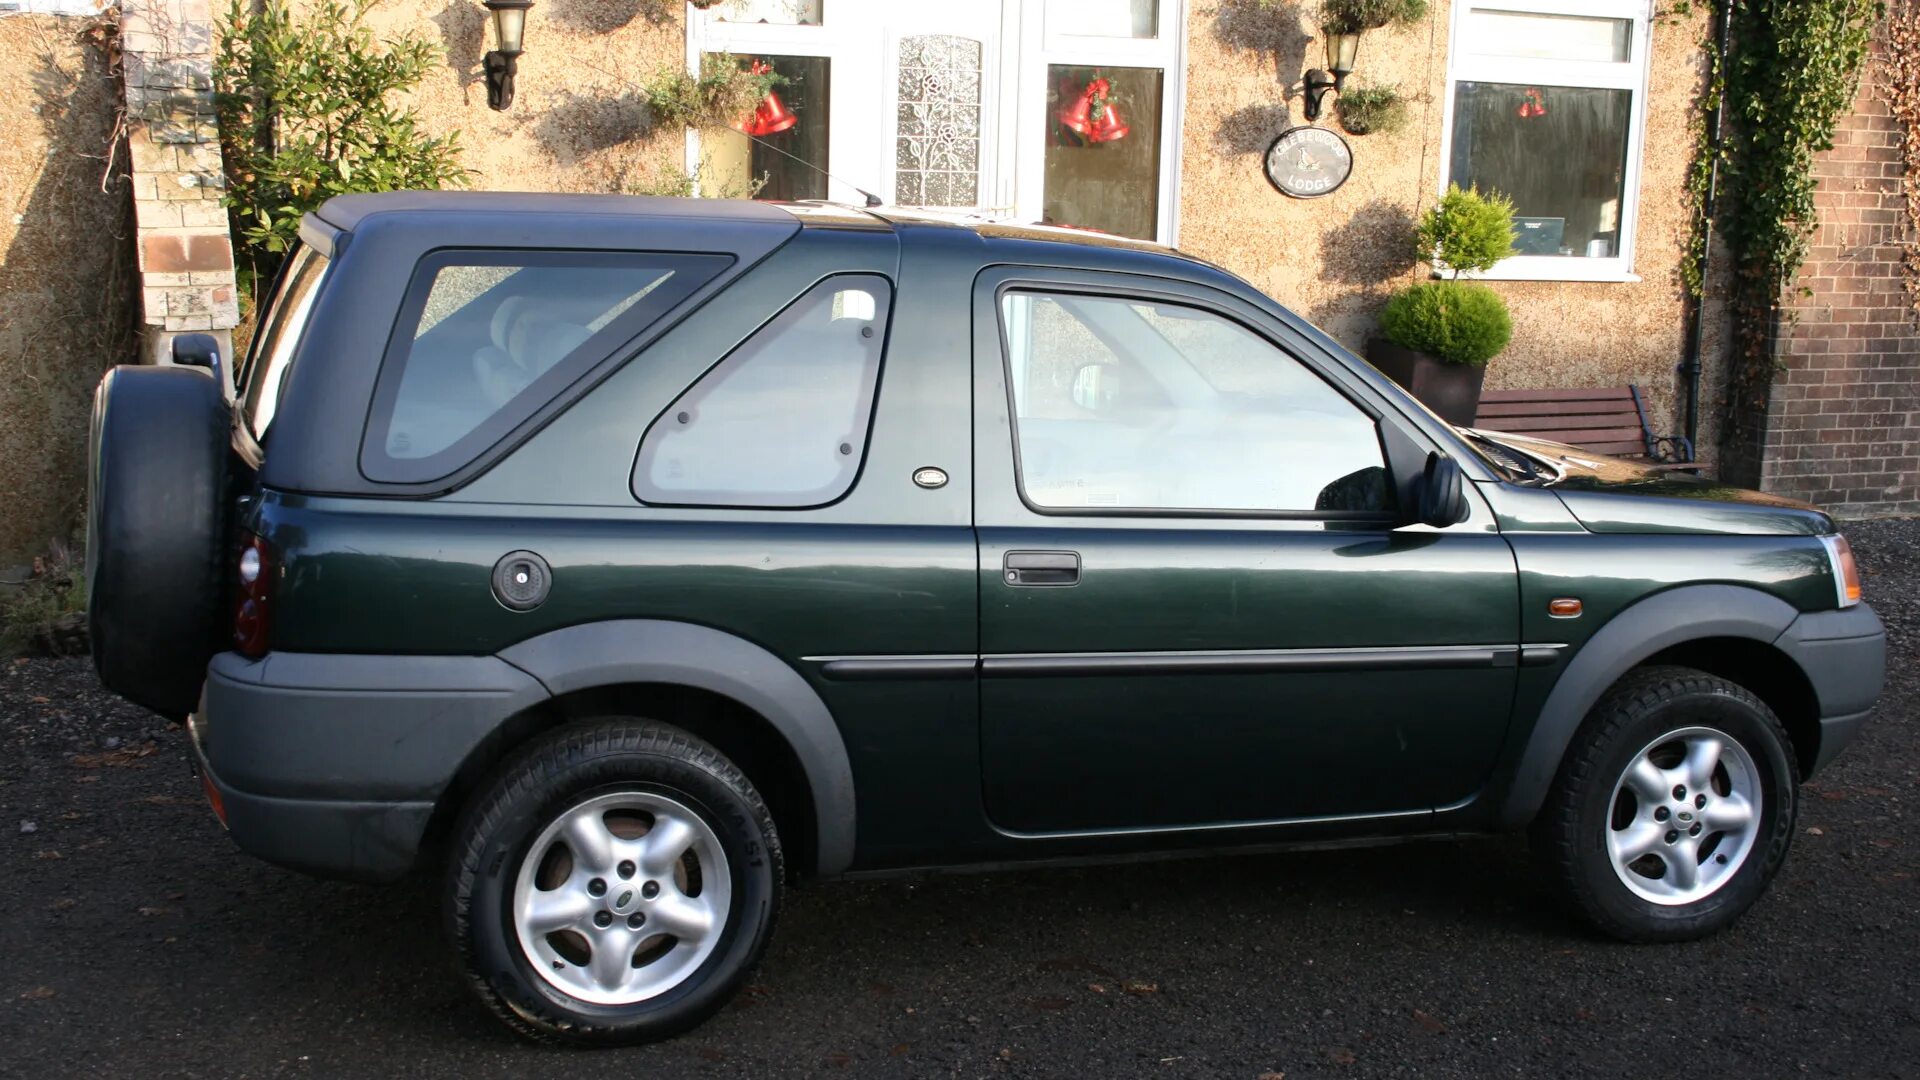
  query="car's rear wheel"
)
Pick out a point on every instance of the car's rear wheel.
point(1673, 808)
point(613, 884)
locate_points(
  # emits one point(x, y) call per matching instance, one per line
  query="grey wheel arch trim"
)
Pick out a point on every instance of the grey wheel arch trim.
point(657, 651)
point(1674, 617)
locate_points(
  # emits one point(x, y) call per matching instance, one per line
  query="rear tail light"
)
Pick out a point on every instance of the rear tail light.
point(253, 611)
point(213, 798)
point(1846, 575)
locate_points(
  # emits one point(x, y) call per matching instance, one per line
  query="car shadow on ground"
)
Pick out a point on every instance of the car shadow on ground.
point(900, 936)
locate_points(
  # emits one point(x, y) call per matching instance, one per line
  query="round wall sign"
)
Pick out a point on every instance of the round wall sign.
point(1308, 162)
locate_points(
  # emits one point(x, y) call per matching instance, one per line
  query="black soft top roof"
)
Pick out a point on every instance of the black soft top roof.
point(346, 212)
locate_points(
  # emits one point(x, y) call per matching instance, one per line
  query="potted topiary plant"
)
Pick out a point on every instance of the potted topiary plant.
point(1437, 336)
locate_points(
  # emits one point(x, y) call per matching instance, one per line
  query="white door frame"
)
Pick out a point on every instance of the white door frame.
point(861, 39)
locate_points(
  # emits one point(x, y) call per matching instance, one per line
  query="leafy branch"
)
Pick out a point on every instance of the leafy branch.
point(307, 109)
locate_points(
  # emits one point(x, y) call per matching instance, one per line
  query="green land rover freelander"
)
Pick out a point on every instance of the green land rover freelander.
point(623, 561)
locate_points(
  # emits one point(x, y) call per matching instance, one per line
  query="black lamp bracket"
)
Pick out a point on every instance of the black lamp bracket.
point(500, 68)
point(1314, 88)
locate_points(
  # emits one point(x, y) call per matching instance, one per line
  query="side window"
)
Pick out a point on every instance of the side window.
point(485, 338)
point(1128, 404)
point(259, 382)
point(782, 420)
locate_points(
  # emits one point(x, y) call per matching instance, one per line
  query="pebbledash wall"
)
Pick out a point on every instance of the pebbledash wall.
point(67, 294)
point(578, 124)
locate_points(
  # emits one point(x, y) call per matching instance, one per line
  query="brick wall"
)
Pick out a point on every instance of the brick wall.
point(185, 255)
point(1844, 425)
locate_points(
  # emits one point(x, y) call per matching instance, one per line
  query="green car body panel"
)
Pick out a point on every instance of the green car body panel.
point(1204, 680)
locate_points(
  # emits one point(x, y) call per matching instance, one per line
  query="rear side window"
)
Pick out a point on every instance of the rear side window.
point(486, 338)
point(259, 382)
point(782, 420)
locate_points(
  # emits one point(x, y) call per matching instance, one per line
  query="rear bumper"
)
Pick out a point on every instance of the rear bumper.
point(333, 764)
point(1844, 656)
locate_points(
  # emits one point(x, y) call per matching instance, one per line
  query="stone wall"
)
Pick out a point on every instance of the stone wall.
point(66, 282)
point(1843, 424)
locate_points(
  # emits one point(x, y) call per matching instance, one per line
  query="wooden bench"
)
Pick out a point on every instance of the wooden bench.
point(1605, 420)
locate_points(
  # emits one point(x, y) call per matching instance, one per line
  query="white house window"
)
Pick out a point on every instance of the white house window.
point(772, 12)
point(1546, 105)
point(960, 106)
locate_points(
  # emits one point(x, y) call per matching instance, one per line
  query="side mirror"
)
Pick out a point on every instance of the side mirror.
point(1442, 492)
point(202, 351)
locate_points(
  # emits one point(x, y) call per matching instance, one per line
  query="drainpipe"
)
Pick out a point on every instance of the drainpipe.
point(1696, 305)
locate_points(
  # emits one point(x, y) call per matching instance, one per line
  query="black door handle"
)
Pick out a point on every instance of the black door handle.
point(1041, 567)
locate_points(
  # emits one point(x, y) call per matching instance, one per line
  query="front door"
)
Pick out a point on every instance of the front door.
point(1192, 609)
point(1063, 111)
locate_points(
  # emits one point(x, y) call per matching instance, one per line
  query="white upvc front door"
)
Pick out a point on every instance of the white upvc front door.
point(956, 105)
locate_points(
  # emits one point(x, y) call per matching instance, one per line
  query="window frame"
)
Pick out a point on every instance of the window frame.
point(1632, 75)
point(861, 38)
point(1365, 407)
point(692, 271)
point(870, 405)
point(272, 344)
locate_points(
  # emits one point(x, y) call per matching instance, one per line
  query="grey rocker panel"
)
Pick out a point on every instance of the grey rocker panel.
point(657, 651)
point(1674, 617)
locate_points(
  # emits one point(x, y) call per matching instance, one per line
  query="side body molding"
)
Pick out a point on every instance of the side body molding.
point(1688, 613)
point(657, 651)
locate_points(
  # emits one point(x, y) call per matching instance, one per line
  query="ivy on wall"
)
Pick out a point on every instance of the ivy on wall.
point(1791, 71)
point(1900, 81)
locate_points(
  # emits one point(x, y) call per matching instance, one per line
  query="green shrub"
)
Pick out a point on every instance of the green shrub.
point(307, 111)
point(1367, 109)
point(46, 611)
point(1355, 16)
point(1467, 232)
point(1460, 322)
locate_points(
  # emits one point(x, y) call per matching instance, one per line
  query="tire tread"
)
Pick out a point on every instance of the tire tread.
point(1556, 830)
point(521, 777)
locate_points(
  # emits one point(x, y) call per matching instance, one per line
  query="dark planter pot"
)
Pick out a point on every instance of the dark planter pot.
point(1452, 390)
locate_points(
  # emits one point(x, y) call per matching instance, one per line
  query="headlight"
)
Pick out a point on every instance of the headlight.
point(1846, 576)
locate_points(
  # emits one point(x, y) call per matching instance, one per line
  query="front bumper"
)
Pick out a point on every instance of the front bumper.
point(1844, 656)
point(332, 764)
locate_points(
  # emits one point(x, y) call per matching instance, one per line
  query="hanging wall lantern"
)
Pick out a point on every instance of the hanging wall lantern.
point(771, 116)
point(1343, 52)
point(509, 27)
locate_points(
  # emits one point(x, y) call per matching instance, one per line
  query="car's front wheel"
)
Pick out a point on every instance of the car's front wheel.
point(613, 884)
point(1673, 807)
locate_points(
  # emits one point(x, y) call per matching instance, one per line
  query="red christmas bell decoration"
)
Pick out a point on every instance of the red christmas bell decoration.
point(1534, 105)
point(771, 116)
point(1078, 117)
point(1107, 126)
point(1092, 115)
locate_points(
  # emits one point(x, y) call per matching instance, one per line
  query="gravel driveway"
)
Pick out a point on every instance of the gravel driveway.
point(138, 942)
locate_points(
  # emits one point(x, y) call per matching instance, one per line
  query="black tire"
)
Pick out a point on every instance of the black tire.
point(158, 538)
point(534, 788)
point(1571, 833)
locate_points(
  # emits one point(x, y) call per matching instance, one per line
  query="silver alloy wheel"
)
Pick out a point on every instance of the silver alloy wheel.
point(1685, 816)
point(622, 897)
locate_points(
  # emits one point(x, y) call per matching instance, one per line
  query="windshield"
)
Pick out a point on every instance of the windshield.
point(282, 319)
